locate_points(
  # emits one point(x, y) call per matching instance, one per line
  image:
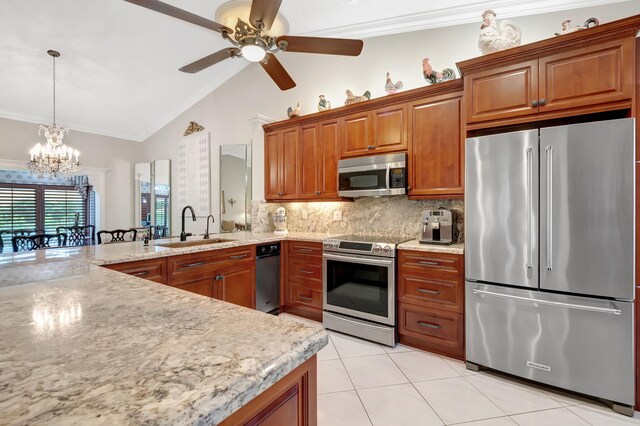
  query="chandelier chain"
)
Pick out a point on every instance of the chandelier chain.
point(54, 90)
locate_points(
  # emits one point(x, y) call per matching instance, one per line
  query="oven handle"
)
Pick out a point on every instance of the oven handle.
point(359, 259)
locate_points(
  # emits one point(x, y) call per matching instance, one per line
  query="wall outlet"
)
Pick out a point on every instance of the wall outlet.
point(337, 215)
point(305, 215)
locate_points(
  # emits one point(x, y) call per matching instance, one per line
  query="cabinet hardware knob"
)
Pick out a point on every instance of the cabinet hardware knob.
point(409, 188)
point(543, 101)
point(534, 103)
point(318, 192)
point(219, 277)
point(370, 147)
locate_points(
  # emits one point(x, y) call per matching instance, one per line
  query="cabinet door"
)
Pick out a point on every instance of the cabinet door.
point(502, 92)
point(309, 164)
point(436, 148)
point(588, 76)
point(272, 161)
point(290, 163)
point(357, 137)
point(203, 286)
point(328, 163)
point(237, 285)
point(390, 129)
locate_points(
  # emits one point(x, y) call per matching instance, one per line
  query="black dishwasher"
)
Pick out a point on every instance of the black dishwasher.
point(268, 277)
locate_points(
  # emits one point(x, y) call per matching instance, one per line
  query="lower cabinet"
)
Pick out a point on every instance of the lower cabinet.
point(151, 269)
point(301, 284)
point(431, 301)
point(203, 286)
point(237, 285)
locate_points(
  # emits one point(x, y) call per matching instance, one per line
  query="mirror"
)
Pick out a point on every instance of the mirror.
point(235, 188)
point(142, 193)
point(162, 197)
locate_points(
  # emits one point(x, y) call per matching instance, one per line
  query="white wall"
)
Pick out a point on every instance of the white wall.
point(227, 111)
point(117, 155)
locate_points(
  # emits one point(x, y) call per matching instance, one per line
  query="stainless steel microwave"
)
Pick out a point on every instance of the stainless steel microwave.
point(373, 176)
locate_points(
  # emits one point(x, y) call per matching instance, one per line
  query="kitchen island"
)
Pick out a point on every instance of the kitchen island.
point(83, 344)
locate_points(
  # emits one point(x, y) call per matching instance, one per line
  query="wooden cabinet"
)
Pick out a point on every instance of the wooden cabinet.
point(431, 301)
point(436, 147)
point(204, 286)
point(151, 269)
point(237, 285)
point(281, 164)
point(583, 75)
point(292, 401)
point(301, 286)
point(374, 132)
point(328, 164)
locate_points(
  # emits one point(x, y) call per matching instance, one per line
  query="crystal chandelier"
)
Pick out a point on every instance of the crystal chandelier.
point(53, 159)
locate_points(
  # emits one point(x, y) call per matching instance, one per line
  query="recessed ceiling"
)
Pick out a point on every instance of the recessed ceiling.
point(118, 74)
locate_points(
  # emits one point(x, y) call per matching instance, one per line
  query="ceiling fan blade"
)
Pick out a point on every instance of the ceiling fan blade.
point(264, 11)
point(328, 46)
point(212, 59)
point(175, 12)
point(276, 71)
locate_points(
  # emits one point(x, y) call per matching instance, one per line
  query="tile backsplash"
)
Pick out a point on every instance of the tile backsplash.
point(395, 215)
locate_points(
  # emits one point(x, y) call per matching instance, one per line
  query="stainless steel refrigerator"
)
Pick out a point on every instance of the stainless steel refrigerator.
point(550, 256)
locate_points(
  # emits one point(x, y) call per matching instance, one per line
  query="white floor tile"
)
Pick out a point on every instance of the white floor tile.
point(397, 348)
point(567, 398)
point(349, 346)
point(598, 415)
point(500, 421)
point(332, 377)
point(511, 396)
point(419, 366)
point(459, 366)
point(398, 405)
point(456, 400)
point(328, 352)
point(341, 409)
point(373, 371)
point(558, 416)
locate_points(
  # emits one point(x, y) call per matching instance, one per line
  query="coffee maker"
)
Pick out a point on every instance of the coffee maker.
point(437, 227)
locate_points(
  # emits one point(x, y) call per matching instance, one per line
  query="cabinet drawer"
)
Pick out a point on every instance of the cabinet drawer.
point(304, 269)
point(305, 249)
point(188, 266)
point(301, 295)
point(438, 293)
point(431, 263)
point(432, 329)
point(152, 270)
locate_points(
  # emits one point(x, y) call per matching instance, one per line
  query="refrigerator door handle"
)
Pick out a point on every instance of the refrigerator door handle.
point(549, 154)
point(614, 311)
point(529, 208)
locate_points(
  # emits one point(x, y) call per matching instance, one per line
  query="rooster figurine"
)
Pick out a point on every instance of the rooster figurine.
point(294, 112)
point(434, 77)
point(568, 29)
point(352, 99)
point(391, 87)
point(323, 104)
point(494, 37)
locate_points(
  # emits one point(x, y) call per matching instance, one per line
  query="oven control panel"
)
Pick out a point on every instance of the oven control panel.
point(357, 247)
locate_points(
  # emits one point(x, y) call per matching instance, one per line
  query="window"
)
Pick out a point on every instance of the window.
point(40, 208)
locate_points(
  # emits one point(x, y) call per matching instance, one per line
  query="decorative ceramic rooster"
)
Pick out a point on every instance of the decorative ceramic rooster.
point(494, 37)
point(391, 87)
point(434, 77)
point(294, 112)
point(323, 104)
point(351, 99)
point(568, 29)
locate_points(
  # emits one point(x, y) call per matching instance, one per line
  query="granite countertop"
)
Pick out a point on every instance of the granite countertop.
point(457, 248)
point(84, 344)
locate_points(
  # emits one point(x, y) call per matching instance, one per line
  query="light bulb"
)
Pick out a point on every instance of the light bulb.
point(253, 53)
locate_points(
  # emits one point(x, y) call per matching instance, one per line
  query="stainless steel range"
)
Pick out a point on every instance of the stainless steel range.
point(359, 286)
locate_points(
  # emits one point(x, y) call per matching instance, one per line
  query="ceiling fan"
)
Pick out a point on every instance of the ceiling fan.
point(250, 40)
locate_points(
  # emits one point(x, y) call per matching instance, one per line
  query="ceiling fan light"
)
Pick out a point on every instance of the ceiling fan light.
point(228, 13)
point(253, 52)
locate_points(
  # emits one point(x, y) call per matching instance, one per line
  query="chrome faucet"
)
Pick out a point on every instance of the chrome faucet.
point(206, 233)
point(184, 235)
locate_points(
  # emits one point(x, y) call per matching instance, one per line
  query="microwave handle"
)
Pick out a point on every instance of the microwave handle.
point(388, 176)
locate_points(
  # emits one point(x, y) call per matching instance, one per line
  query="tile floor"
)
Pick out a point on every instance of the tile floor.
point(363, 383)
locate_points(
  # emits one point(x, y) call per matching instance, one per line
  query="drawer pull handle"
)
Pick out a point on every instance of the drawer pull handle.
point(306, 272)
point(239, 256)
point(194, 264)
point(427, 262)
point(219, 277)
point(424, 290)
point(305, 298)
point(303, 250)
point(428, 324)
point(140, 274)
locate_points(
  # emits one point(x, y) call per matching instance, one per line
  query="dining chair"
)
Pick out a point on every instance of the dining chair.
point(117, 236)
point(79, 235)
point(37, 241)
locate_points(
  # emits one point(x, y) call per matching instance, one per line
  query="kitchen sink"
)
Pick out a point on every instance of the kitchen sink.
point(195, 243)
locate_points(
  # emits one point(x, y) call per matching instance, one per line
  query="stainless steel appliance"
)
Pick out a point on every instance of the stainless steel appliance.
point(359, 286)
point(373, 176)
point(268, 277)
point(550, 256)
point(437, 227)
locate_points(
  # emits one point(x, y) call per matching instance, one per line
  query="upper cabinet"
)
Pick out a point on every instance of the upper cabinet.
point(281, 164)
point(580, 73)
point(380, 131)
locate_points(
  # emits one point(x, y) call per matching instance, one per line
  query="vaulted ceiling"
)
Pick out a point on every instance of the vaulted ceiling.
point(118, 74)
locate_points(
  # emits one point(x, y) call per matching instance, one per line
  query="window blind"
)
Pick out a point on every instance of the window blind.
point(61, 207)
point(18, 210)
